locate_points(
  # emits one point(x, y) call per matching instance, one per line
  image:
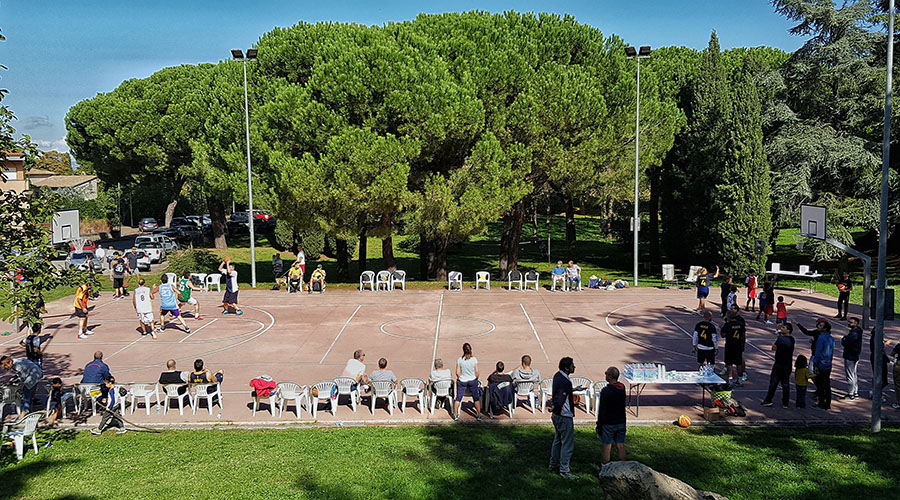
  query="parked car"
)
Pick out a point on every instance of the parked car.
point(84, 260)
point(143, 261)
point(147, 224)
point(239, 217)
point(153, 250)
point(189, 232)
point(164, 241)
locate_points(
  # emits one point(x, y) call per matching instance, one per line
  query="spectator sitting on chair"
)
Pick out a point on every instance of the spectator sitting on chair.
point(110, 400)
point(295, 278)
point(277, 265)
point(356, 369)
point(96, 371)
point(558, 273)
point(611, 415)
point(498, 377)
point(28, 374)
point(173, 376)
point(201, 375)
point(382, 374)
point(56, 399)
point(574, 274)
point(525, 373)
point(439, 372)
point(318, 276)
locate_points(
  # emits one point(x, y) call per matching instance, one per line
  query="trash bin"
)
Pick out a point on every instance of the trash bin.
point(888, 303)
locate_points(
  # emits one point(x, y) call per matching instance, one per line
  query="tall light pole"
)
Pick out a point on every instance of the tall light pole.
point(642, 53)
point(238, 55)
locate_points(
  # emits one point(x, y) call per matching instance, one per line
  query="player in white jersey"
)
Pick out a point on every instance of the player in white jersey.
point(143, 306)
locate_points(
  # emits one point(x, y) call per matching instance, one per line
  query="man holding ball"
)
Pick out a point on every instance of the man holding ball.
point(230, 301)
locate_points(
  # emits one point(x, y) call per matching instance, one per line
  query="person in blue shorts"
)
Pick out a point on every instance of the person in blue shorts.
point(703, 281)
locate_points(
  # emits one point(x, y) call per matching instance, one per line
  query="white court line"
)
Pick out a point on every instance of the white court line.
point(689, 335)
point(678, 326)
point(533, 329)
point(437, 329)
point(127, 346)
point(339, 333)
point(198, 329)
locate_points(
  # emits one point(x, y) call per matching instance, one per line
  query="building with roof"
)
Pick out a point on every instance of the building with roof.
point(82, 186)
point(13, 172)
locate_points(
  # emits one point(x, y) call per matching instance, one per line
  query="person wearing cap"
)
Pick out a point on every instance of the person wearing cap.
point(318, 276)
point(82, 295)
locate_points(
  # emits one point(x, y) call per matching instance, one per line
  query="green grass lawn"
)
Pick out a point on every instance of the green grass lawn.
point(447, 462)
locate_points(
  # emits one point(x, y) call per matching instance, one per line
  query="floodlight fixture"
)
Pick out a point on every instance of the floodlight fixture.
point(645, 50)
point(237, 53)
point(251, 53)
point(630, 51)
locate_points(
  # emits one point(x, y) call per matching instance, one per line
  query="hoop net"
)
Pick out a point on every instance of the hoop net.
point(799, 240)
point(78, 244)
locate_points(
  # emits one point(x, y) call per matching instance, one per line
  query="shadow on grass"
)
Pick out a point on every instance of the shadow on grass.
point(14, 477)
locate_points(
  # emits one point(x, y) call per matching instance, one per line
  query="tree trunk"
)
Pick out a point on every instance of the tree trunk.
point(173, 202)
point(387, 244)
point(343, 259)
point(510, 238)
point(653, 223)
point(437, 258)
point(327, 249)
point(363, 250)
point(570, 227)
point(423, 257)
point(217, 214)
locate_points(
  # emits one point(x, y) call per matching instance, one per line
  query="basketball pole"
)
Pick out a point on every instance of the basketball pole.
point(882, 231)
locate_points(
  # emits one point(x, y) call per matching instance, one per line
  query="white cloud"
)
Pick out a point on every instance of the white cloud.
point(56, 145)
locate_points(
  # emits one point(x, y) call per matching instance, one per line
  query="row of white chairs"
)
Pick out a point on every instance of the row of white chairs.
point(207, 281)
point(382, 280)
point(483, 280)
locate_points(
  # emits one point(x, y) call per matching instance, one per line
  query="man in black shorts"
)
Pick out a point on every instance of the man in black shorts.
point(133, 269)
point(735, 335)
point(706, 341)
point(117, 271)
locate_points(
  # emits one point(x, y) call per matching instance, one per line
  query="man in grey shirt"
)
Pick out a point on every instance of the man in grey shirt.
point(28, 374)
point(525, 373)
point(382, 374)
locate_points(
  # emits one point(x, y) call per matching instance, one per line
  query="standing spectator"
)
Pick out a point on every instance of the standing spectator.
point(735, 335)
point(821, 361)
point(117, 272)
point(110, 401)
point(781, 369)
point(563, 419)
point(230, 300)
point(382, 374)
point(356, 369)
point(821, 325)
point(28, 375)
point(763, 297)
point(301, 258)
point(705, 341)
point(439, 372)
point(277, 265)
point(731, 300)
point(852, 344)
point(467, 378)
point(885, 360)
point(769, 289)
point(611, 415)
point(703, 281)
point(751, 283)
point(781, 314)
point(895, 353)
point(723, 294)
point(574, 274)
point(111, 254)
point(82, 294)
point(844, 286)
point(558, 274)
point(801, 379)
point(95, 371)
point(133, 269)
point(32, 345)
point(100, 254)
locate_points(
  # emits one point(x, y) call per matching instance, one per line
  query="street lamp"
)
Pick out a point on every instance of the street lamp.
point(642, 53)
point(238, 55)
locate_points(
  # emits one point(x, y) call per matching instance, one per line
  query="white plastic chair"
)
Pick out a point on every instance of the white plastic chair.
point(532, 278)
point(65, 397)
point(213, 279)
point(483, 277)
point(567, 286)
point(323, 392)
point(398, 277)
point(383, 279)
point(546, 392)
point(524, 389)
point(414, 388)
point(804, 269)
point(209, 392)
point(81, 392)
point(692, 274)
point(587, 395)
point(145, 391)
point(668, 273)
point(558, 278)
point(598, 386)
point(776, 267)
point(367, 278)
point(172, 277)
point(455, 277)
point(345, 388)
point(171, 391)
point(383, 389)
point(10, 396)
point(290, 391)
point(273, 396)
point(515, 276)
point(25, 428)
point(441, 389)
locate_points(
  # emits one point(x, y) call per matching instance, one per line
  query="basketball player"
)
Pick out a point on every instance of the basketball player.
point(143, 306)
point(168, 305)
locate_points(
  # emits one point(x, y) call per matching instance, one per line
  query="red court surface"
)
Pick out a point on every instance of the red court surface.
point(307, 338)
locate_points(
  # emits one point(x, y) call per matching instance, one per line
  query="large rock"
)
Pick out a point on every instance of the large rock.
point(632, 480)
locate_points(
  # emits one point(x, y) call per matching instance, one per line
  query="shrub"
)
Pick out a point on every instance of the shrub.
point(193, 260)
point(410, 243)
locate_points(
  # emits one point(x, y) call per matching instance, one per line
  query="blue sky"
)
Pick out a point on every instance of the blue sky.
point(61, 51)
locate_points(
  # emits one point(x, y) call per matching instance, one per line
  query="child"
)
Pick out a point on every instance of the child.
point(56, 400)
point(732, 297)
point(781, 315)
point(110, 418)
point(751, 283)
point(763, 300)
point(32, 345)
point(801, 379)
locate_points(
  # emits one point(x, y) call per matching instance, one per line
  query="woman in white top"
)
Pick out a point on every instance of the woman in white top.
point(467, 378)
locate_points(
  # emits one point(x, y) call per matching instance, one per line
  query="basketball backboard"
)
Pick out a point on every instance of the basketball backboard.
point(812, 221)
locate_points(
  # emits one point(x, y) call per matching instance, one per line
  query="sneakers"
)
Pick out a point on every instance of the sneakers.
point(744, 377)
point(239, 313)
point(153, 335)
point(895, 406)
point(96, 432)
point(198, 318)
point(738, 383)
point(554, 469)
point(456, 417)
point(478, 418)
point(224, 312)
point(785, 406)
point(836, 316)
point(768, 404)
point(157, 330)
point(567, 475)
point(121, 430)
point(187, 329)
point(82, 336)
point(769, 322)
point(89, 332)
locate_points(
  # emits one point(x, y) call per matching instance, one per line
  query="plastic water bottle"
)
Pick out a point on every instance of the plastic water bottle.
point(340, 423)
point(219, 416)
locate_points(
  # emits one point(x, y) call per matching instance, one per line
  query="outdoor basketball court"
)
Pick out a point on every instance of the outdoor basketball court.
point(307, 338)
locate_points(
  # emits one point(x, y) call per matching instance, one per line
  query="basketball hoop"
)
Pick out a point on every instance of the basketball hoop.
point(799, 240)
point(78, 244)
